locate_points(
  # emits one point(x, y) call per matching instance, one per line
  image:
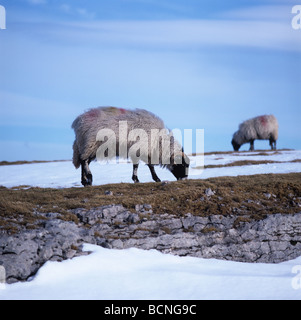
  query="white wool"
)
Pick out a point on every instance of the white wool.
point(259, 128)
point(91, 126)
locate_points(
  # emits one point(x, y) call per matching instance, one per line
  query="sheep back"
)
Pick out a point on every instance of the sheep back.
point(258, 128)
point(87, 126)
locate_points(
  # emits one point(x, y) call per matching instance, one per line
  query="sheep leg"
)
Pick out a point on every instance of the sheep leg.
point(252, 145)
point(273, 144)
point(135, 171)
point(86, 174)
point(153, 172)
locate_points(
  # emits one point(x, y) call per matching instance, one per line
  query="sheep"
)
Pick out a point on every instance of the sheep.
point(262, 128)
point(108, 132)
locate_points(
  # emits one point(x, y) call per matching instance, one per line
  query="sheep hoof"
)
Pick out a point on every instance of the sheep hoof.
point(135, 179)
point(87, 182)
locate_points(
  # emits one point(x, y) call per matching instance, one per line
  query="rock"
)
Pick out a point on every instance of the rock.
point(22, 255)
point(209, 193)
point(276, 238)
point(143, 208)
point(147, 206)
point(133, 218)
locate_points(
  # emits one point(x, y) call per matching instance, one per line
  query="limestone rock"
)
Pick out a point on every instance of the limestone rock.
point(276, 238)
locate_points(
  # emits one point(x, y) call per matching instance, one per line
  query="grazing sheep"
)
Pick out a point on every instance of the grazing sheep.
point(107, 132)
point(261, 128)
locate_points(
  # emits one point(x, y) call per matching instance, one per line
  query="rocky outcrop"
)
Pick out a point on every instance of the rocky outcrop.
point(274, 239)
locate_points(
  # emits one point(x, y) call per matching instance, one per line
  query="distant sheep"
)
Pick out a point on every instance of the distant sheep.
point(259, 128)
point(107, 133)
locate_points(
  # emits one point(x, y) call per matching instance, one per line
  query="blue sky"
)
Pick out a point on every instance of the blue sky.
point(197, 64)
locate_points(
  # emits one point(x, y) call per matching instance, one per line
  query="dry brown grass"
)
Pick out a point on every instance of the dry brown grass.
point(245, 196)
point(12, 163)
point(266, 152)
point(247, 163)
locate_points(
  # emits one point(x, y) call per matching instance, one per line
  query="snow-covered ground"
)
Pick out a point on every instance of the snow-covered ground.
point(136, 274)
point(64, 175)
point(149, 275)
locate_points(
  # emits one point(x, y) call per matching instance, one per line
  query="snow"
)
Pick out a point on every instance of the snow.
point(63, 174)
point(149, 275)
point(135, 274)
point(283, 156)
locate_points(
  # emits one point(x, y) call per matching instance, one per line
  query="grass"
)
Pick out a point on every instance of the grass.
point(12, 163)
point(248, 197)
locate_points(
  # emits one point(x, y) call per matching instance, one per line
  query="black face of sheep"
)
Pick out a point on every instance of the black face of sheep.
point(180, 171)
point(235, 145)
